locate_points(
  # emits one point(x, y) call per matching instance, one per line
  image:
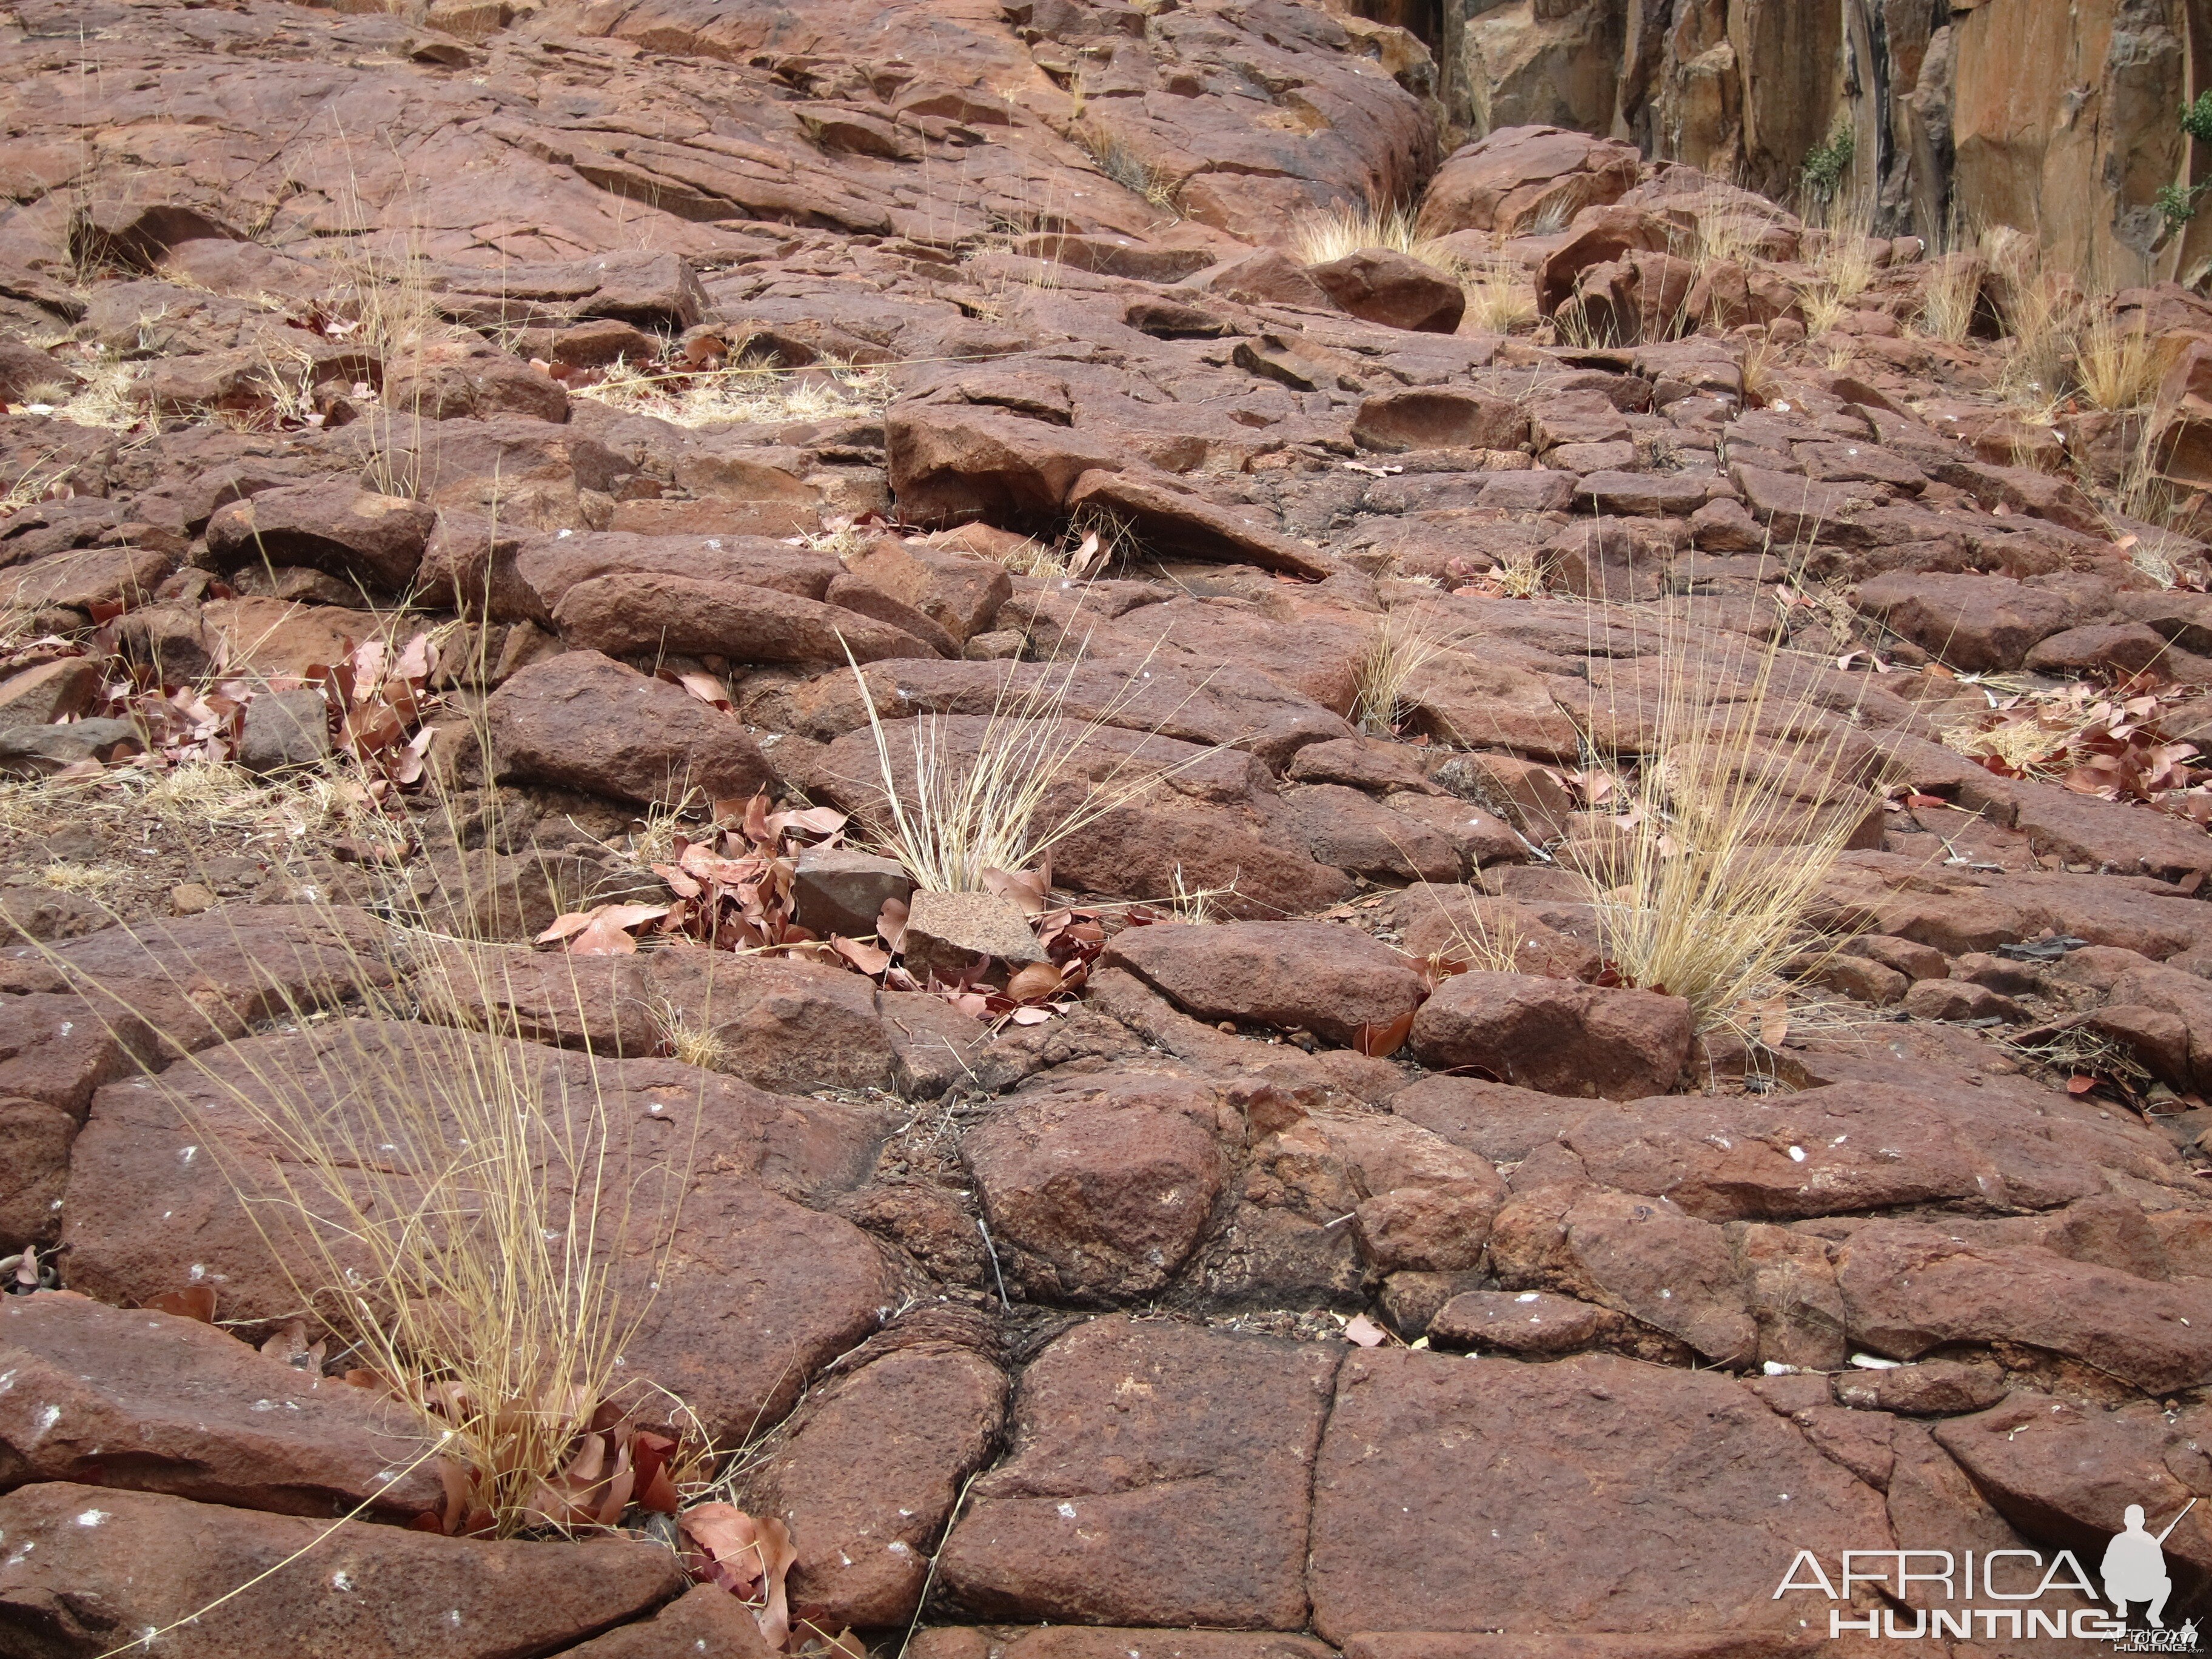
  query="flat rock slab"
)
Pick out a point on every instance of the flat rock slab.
point(1159, 1476)
point(705, 1622)
point(868, 1477)
point(90, 1569)
point(756, 1291)
point(2058, 1468)
point(1315, 975)
point(1595, 1494)
point(1831, 1150)
point(1909, 1288)
point(156, 1403)
point(194, 981)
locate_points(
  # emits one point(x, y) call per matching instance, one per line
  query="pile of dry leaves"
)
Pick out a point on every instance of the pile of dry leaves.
point(2094, 741)
point(734, 890)
point(377, 701)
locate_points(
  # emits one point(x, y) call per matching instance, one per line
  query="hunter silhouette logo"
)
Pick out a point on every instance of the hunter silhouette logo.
point(2135, 1566)
point(2005, 1593)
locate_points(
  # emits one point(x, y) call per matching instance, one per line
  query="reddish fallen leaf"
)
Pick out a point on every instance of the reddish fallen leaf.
point(2080, 1084)
point(1033, 980)
point(866, 957)
point(891, 923)
point(1381, 1042)
point(1027, 887)
point(747, 1556)
point(705, 687)
point(195, 1302)
point(1364, 1331)
point(602, 930)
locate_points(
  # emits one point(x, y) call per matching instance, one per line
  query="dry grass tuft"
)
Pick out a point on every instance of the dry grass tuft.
point(465, 1209)
point(2040, 314)
point(1129, 170)
point(1500, 298)
point(1005, 800)
point(1398, 649)
point(1344, 230)
point(88, 880)
point(694, 1043)
point(2115, 365)
point(104, 400)
point(1952, 291)
point(1844, 270)
point(1760, 368)
point(1524, 574)
point(1739, 805)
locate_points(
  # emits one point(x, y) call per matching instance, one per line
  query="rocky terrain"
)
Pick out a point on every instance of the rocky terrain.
point(1580, 965)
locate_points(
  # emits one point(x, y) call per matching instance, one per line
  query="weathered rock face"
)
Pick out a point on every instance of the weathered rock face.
point(989, 397)
point(87, 1566)
point(1948, 108)
point(1190, 1508)
point(160, 1403)
point(1528, 1492)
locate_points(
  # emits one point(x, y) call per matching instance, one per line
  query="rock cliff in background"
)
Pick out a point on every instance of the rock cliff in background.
point(2059, 120)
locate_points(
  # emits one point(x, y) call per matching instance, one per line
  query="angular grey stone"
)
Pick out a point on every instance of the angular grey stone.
point(39, 749)
point(285, 728)
point(947, 934)
point(839, 890)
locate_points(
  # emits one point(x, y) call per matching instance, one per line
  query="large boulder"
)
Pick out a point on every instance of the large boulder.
point(1556, 1035)
point(1160, 1475)
point(1313, 975)
point(354, 534)
point(1377, 285)
point(581, 720)
point(1975, 624)
point(1508, 181)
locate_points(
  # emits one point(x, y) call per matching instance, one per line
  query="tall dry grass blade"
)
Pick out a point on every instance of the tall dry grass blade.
point(2117, 365)
point(969, 799)
point(1345, 229)
point(1744, 795)
point(1398, 647)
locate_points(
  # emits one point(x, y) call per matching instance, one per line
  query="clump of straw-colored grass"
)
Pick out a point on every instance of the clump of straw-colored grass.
point(1949, 297)
point(1500, 298)
point(1396, 650)
point(1844, 269)
point(1739, 805)
point(949, 815)
point(2115, 365)
point(747, 392)
point(1341, 231)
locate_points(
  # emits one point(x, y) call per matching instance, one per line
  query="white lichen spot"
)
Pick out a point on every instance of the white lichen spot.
point(1066, 1511)
point(92, 1517)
